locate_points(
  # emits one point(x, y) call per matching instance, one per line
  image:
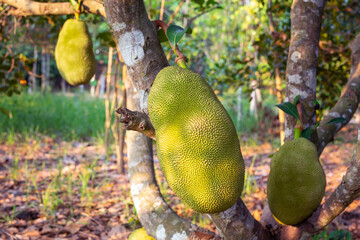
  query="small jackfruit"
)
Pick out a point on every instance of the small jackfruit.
point(197, 144)
point(296, 182)
point(74, 53)
point(140, 234)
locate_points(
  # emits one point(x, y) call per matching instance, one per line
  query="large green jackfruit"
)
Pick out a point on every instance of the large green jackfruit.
point(197, 144)
point(296, 182)
point(140, 234)
point(74, 53)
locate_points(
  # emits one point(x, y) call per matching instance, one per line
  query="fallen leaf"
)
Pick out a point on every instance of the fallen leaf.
point(72, 228)
point(118, 231)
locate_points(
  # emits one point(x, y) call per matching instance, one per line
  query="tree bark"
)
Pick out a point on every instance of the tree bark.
point(107, 99)
point(34, 70)
point(45, 68)
point(279, 91)
point(138, 43)
point(347, 104)
point(119, 130)
point(303, 60)
point(238, 223)
point(279, 95)
point(30, 8)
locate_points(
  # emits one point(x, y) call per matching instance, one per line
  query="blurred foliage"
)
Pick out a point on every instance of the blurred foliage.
point(339, 27)
point(231, 43)
point(68, 117)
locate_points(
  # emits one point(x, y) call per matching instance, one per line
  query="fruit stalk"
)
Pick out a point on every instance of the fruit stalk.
point(299, 126)
point(180, 57)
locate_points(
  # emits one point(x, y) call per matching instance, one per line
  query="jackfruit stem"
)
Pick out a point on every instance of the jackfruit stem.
point(181, 63)
point(297, 131)
point(180, 57)
point(78, 10)
point(298, 126)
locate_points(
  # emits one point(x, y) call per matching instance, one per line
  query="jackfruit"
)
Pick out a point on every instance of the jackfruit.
point(74, 53)
point(140, 234)
point(296, 182)
point(197, 144)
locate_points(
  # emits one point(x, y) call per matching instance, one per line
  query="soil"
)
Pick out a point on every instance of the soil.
point(52, 189)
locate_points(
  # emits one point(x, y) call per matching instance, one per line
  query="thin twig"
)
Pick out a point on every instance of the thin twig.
point(164, 26)
point(176, 12)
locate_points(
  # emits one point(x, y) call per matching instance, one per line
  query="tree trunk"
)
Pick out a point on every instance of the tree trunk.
point(102, 84)
point(98, 86)
point(117, 127)
point(45, 68)
point(303, 60)
point(34, 70)
point(141, 51)
point(162, 7)
point(107, 99)
point(120, 131)
point(138, 43)
point(63, 85)
point(254, 99)
point(279, 95)
point(92, 86)
point(239, 108)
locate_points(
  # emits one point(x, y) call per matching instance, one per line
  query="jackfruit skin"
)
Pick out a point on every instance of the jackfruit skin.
point(74, 54)
point(296, 182)
point(197, 144)
point(140, 234)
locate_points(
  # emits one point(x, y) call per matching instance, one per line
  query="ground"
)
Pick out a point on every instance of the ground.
point(51, 189)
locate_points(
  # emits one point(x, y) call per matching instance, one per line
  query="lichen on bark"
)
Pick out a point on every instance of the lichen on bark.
point(138, 43)
point(303, 60)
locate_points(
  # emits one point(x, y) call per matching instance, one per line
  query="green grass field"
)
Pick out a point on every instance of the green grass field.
point(57, 115)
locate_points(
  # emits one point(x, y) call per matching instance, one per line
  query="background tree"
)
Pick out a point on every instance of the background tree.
point(144, 58)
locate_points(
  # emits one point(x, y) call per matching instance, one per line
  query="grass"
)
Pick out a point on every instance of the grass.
point(250, 185)
point(334, 235)
point(54, 115)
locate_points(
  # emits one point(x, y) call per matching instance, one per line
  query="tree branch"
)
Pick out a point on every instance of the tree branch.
point(344, 194)
point(175, 12)
point(238, 223)
point(347, 104)
point(136, 121)
point(30, 8)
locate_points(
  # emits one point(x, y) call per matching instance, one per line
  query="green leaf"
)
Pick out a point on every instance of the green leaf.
point(175, 33)
point(296, 99)
point(106, 39)
point(161, 35)
point(306, 133)
point(336, 120)
point(189, 30)
point(93, 83)
point(73, 3)
point(289, 108)
point(348, 235)
point(4, 111)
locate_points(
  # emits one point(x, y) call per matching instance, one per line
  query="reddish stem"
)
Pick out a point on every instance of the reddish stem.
point(299, 109)
point(163, 25)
